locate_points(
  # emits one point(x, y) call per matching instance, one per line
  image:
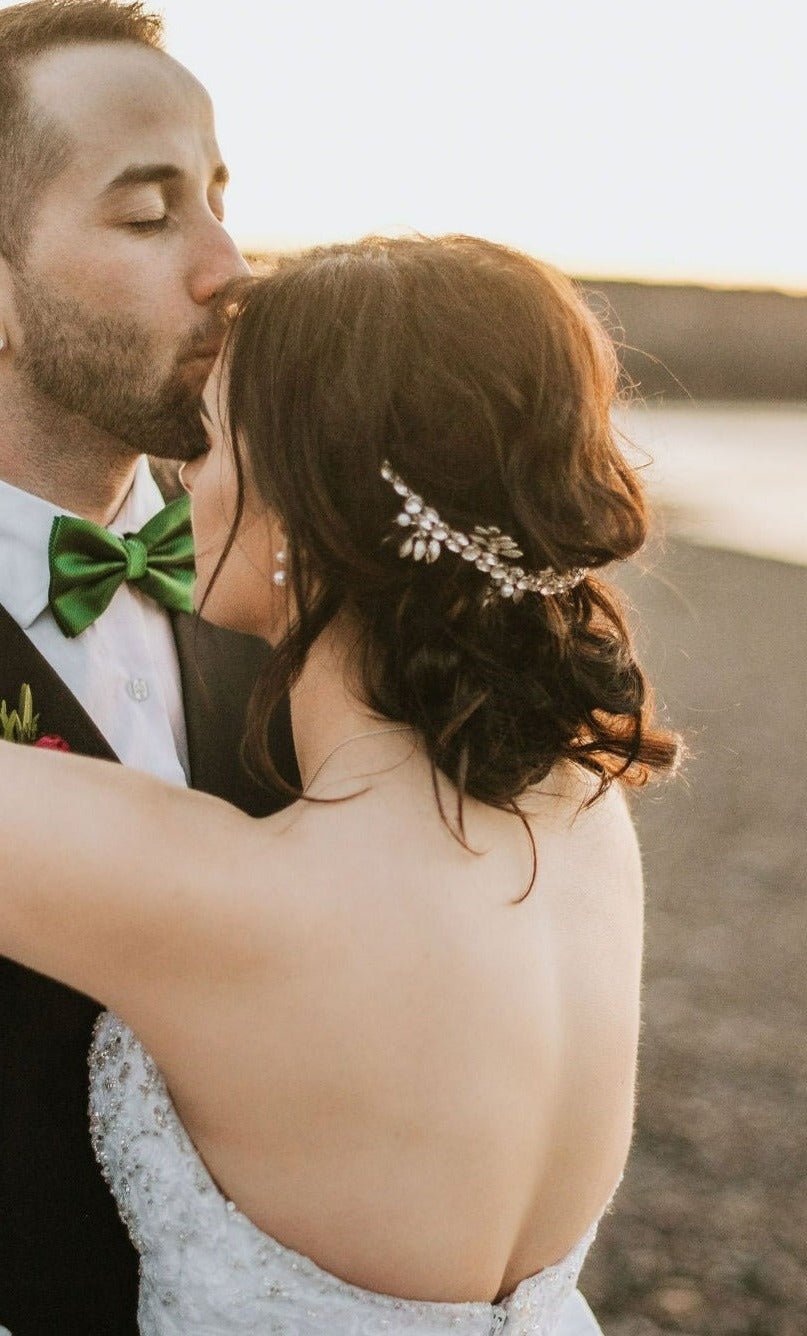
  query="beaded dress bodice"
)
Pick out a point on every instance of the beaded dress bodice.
point(206, 1269)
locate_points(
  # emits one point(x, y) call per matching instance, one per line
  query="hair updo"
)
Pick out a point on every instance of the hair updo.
point(485, 380)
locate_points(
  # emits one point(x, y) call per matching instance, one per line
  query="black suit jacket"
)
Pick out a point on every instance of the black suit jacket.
point(67, 1267)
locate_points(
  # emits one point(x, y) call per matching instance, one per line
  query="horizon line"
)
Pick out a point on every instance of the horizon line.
point(588, 274)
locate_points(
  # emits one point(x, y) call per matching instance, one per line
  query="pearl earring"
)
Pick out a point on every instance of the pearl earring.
point(2, 343)
point(279, 577)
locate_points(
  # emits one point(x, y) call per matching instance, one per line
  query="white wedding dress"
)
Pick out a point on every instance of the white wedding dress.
point(206, 1270)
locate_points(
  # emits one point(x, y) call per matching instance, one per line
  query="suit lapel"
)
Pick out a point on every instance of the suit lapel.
point(219, 670)
point(58, 709)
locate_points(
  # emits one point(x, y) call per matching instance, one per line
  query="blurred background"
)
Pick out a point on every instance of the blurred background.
point(657, 153)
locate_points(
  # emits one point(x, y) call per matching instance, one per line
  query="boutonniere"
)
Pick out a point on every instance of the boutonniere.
point(22, 725)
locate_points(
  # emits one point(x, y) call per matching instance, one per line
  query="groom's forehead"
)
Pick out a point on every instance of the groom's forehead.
point(120, 103)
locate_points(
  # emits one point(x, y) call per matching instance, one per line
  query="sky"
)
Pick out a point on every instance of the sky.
point(633, 138)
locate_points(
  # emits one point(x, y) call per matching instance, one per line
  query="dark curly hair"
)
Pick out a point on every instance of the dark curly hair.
point(483, 377)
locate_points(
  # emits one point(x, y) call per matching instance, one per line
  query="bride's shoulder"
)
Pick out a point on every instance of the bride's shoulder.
point(573, 797)
point(590, 827)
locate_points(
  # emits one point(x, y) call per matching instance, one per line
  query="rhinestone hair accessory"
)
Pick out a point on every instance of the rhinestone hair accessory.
point(493, 553)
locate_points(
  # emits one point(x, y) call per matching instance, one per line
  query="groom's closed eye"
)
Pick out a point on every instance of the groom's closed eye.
point(153, 187)
point(148, 224)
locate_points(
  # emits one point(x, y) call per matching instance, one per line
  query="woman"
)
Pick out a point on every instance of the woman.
point(398, 1021)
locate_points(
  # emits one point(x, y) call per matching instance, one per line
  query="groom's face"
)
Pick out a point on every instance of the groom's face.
point(114, 295)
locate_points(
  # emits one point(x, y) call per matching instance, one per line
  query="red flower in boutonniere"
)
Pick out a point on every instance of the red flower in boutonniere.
point(52, 743)
point(22, 725)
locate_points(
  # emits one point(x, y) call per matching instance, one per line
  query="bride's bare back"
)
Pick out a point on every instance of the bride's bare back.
point(422, 1086)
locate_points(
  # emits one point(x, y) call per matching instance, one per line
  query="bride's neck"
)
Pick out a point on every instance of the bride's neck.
point(324, 710)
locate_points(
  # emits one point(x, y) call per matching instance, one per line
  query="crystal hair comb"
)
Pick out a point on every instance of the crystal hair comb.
point(493, 553)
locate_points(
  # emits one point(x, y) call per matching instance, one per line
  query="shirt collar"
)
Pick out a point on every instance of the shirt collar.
point(25, 524)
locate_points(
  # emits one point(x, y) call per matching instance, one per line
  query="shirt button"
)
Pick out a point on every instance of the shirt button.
point(138, 689)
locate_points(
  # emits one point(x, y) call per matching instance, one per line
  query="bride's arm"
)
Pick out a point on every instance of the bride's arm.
point(114, 882)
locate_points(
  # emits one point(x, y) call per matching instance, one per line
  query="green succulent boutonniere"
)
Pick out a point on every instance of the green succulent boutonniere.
point(22, 725)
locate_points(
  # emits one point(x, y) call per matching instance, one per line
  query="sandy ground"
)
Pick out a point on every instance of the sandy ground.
point(708, 1233)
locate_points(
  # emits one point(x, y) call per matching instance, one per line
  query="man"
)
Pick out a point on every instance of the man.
point(112, 253)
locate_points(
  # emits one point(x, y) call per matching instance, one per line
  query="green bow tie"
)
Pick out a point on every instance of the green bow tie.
point(88, 564)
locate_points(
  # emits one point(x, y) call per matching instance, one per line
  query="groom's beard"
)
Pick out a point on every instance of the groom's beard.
point(102, 369)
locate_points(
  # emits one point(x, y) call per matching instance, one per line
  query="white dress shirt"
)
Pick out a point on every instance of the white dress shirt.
point(124, 668)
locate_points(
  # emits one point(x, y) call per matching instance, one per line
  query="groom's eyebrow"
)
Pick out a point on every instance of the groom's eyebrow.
point(158, 173)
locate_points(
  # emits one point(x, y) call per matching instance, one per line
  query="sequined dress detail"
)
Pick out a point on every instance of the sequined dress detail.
point(206, 1270)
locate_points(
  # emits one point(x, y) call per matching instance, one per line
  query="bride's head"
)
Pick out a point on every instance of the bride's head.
point(477, 379)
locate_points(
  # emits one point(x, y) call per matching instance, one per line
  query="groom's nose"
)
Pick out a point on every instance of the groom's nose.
point(216, 261)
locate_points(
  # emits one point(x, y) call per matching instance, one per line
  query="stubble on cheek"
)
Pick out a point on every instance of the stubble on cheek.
point(105, 369)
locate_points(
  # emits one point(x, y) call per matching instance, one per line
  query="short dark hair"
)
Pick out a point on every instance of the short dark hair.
point(33, 149)
point(484, 378)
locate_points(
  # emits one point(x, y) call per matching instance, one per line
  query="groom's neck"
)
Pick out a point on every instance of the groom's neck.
point(63, 459)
